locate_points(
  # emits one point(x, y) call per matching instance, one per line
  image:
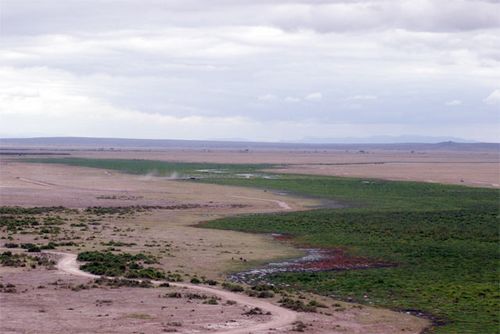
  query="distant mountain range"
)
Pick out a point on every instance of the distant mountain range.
point(68, 143)
point(385, 140)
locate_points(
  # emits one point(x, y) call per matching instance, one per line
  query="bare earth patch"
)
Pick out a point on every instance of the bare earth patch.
point(46, 303)
point(485, 174)
point(56, 302)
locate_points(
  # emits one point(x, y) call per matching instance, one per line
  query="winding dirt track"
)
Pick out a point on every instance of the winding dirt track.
point(281, 317)
point(281, 204)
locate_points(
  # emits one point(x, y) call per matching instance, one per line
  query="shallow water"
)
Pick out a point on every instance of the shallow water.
point(293, 265)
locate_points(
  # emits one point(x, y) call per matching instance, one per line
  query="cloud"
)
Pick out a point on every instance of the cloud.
point(493, 98)
point(291, 99)
point(50, 102)
point(249, 62)
point(324, 16)
point(362, 98)
point(453, 103)
point(267, 97)
point(317, 96)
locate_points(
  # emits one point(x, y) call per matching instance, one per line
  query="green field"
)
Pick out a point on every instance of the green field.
point(442, 239)
point(155, 167)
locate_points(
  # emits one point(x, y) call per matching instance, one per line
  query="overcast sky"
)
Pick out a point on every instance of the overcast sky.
point(255, 69)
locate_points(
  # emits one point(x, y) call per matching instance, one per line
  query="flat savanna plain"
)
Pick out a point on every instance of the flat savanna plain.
point(109, 212)
point(425, 248)
point(472, 168)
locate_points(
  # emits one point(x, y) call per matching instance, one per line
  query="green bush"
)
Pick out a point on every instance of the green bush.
point(232, 287)
point(296, 305)
point(195, 280)
point(121, 264)
point(211, 301)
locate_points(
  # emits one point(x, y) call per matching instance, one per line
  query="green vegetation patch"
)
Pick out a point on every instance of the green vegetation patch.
point(297, 305)
point(373, 194)
point(9, 259)
point(39, 220)
point(121, 264)
point(17, 210)
point(123, 282)
point(155, 167)
point(443, 240)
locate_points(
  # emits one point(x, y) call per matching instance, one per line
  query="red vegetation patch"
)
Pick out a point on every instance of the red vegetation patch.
point(319, 259)
point(338, 259)
point(281, 237)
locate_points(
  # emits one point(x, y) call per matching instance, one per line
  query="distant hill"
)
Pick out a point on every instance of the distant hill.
point(69, 143)
point(386, 140)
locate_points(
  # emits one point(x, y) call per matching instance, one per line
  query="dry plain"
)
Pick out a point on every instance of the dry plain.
point(472, 168)
point(58, 302)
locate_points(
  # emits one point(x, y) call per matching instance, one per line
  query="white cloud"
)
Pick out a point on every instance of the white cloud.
point(267, 97)
point(453, 103)
point(317, 96)
point(493, 98)
point(291, 99)
point(362, 97)
point(49, 102)
point(220, 61)
point(322, 16)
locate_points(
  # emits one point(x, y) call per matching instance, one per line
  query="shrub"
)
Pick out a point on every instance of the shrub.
point(173, 295)
point(31, 247)
point(299, 326)
point(122, 264)
point(195, 280)
point(265, 294)
point(315, 303)
point(296, 305)
point(210, 282)
point(232, 287)
point(173, 277)
point(121, 282)
point(256, 311)
point(211, 301)
point(195, 296)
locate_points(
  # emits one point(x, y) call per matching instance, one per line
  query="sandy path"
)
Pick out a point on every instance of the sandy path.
point(281, 317)
point(36, 182)
point(281, 204)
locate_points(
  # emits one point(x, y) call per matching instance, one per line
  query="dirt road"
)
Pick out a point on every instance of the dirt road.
point(281, 317)
point(281, 204)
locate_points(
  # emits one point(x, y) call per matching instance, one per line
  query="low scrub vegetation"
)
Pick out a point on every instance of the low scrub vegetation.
point(256, 311)
point(442, 240)
point(262, 291)
point(297, 305)
point(45, 221)
point(113, 243)
point(122, 282)
point(233, 287)
point(8, 288)
point(9, 259)
point(121, 264)
point(158, 168)
point(211, 301)
point(17, 210)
